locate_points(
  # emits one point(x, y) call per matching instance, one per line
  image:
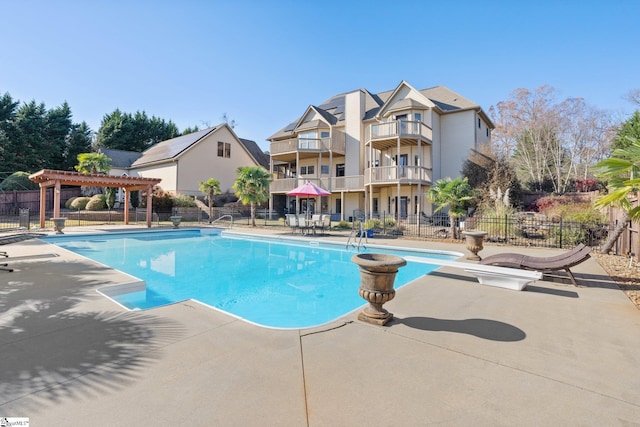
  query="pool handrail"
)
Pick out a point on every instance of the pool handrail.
point(223, 216)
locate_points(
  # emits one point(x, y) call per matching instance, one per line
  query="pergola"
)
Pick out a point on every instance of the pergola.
point(53, 178)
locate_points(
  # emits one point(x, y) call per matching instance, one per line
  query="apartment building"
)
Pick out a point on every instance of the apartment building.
point(376, 153)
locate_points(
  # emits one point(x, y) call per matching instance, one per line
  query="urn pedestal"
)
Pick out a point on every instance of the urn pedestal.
point(377, 275)
point(474, 240)
point(58, 224)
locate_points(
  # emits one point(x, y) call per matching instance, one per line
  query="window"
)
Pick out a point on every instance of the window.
point(307, 170)
point(417, 117)
point(324, 134)
point(340, 170)
point(324, 169)
point(487, 132)
point(224, 149)
point(479, 124)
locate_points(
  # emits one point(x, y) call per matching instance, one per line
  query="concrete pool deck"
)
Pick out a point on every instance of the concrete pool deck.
point(457, 353)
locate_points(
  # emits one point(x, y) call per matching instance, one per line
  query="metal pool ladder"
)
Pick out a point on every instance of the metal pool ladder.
point(359, 234)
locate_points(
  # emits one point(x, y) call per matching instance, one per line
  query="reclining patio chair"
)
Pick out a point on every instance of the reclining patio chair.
point(563, 261)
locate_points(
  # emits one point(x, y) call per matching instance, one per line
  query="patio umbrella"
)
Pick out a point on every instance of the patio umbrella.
point(308, 189)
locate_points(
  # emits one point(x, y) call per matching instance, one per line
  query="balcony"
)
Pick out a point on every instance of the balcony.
point(398, 174)
point(303, 148)
point(333, 184)
point(385, 135)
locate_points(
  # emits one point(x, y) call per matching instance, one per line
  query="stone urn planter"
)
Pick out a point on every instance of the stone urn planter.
point(58, 224)
point(474, 240)
point(377, 275)
point(175, 220)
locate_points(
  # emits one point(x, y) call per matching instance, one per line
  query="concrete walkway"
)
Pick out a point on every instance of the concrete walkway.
point(456, 354)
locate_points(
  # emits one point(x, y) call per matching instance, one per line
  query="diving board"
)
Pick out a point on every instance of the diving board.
point(502, 277)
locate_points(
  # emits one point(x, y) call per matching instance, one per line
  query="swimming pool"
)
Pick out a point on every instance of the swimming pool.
point(282, 283)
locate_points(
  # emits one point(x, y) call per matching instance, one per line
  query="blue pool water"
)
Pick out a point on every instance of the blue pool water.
point(274, 283)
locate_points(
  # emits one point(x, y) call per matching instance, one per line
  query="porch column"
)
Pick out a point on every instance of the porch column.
point(43, 204)
point(56, 200)
point(149, 203)
point(126, 205)
point(398, 181)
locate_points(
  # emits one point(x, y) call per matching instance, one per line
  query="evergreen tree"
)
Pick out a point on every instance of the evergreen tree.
point(78, 141)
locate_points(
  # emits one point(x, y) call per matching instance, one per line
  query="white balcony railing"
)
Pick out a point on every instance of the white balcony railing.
point(347, 183)
point(391, 174)
point(335, 144)
point(399, 128)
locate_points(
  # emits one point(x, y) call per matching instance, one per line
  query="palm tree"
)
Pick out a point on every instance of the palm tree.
point(252, 187)
point(452, 194)
point(623, 172)
point(93, 163)
point(210, 188)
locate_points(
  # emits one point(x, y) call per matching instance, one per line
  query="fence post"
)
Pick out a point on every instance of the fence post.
point(560, 232)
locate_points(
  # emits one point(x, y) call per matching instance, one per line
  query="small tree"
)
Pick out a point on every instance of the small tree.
point(452, 194)
point(623, 172)
point(110, 199)
point(252, 187)
point(93, 163)
point(210, 188)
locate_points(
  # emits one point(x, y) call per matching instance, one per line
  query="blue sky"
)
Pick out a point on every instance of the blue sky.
point(263, 62)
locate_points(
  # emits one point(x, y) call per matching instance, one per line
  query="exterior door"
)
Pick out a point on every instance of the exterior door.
point(404, 161)
point(402, 124)
point(404, 201)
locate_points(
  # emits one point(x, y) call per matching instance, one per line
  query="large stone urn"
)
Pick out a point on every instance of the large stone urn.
point(175, 220)
point(58, 224)
point(377, 275)
point(474, 240)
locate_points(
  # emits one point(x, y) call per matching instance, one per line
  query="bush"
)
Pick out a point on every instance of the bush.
point(67, 204)
point(183, 201)
point(389, 222)
point(373, 224)
point(343, 225)
point(18, 181)
point(97, 203)
point(79, 203)
point(161, 201)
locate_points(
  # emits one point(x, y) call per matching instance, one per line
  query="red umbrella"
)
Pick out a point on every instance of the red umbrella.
point(307, 190)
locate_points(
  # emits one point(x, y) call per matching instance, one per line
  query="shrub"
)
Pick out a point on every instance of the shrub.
point(343, 225)
point(373, 224)
point(18, 181)
point(67, 204)
point(389, 222)
point(97, 203)
point(161, 201)
point(79, 203)
point(183, 201)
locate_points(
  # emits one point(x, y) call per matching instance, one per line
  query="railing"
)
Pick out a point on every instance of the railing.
point(223, 217)
point(349, 183)
point(402, 173)
point(335, 144)
point(399, 128)
point(288, 184)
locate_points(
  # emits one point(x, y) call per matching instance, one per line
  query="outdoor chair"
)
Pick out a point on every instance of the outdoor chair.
point(292, 221)
point(563, 261)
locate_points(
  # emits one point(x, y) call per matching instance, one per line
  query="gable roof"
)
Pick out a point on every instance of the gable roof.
point(255, 152)
point(332, 110)
point(120, 159)
point(172, 148)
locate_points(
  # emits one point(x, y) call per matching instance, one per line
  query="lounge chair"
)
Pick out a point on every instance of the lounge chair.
point(563, 261)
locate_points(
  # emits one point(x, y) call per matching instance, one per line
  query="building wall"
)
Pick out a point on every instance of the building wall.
point(354, 110)
point(167, 172)
point(458, 136)
point(202, 162)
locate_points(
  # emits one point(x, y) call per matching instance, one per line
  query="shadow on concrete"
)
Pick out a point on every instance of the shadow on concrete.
point(481, 328)
point(49, 347)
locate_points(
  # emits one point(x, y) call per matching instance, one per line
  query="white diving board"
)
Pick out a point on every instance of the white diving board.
point(503, 277)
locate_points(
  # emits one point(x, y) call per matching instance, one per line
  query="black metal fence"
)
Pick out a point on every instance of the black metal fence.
point(517, 230)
